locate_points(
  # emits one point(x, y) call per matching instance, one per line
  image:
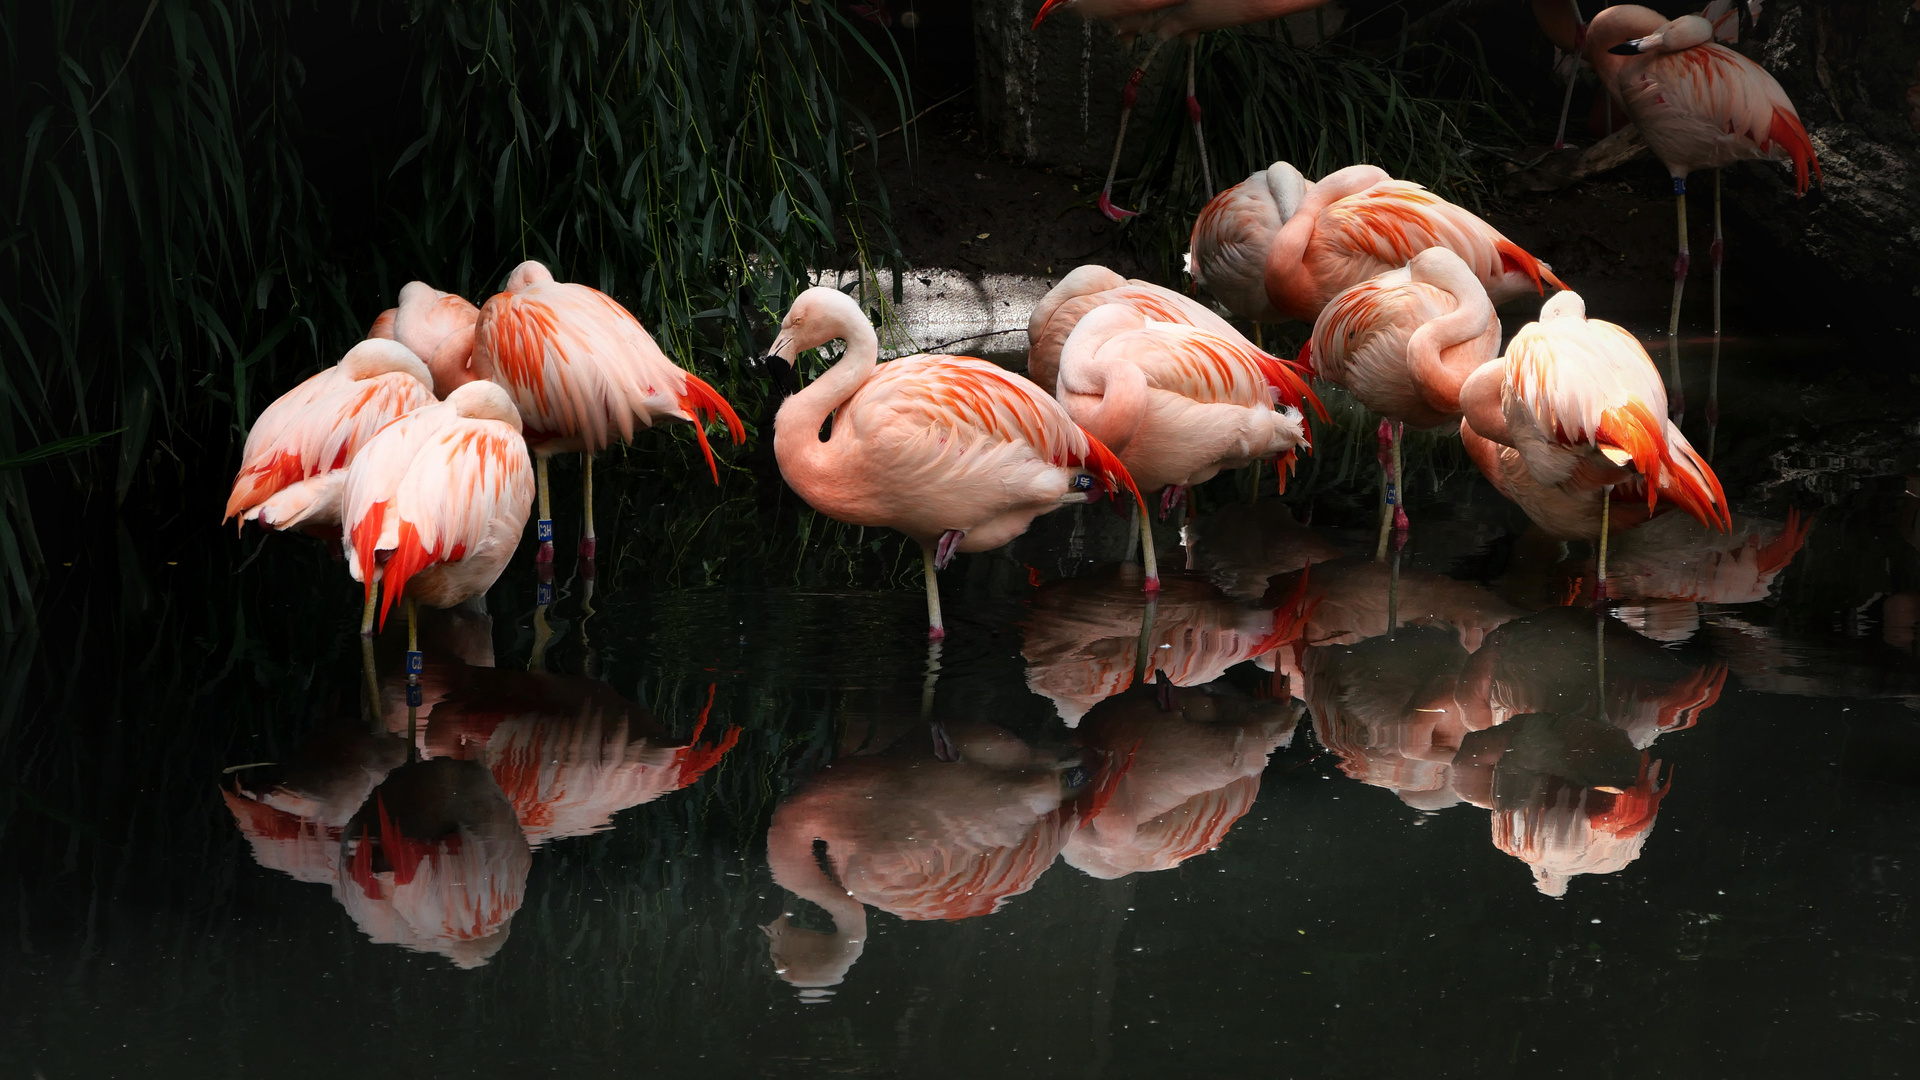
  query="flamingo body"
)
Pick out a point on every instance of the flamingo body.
point(1275, 247)
point(926, 444)
point(1582, 403)
point(1089, 287)
point(1698, 104)
point(1402, 343)
point(581, 369)
point(1178, 404)
point(317, 428)
point(436, 502)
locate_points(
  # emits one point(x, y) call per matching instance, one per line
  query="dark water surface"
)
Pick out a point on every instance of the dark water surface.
point(1506, 839)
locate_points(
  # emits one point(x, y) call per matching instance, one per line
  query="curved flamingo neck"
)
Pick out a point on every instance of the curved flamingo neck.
point(1286, 259)
point(1104, 391)
point(1441, 353)
point(1482, 404)
point(809, 957)
point(796, 427)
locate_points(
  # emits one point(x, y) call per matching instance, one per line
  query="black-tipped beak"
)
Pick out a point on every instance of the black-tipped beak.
point(1626, 48)
point(786, 381)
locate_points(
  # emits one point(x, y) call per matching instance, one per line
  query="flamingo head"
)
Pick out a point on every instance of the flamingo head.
point(1619, 30)
point(1288, 188)
point(527, 275)
point(1564, 305)
point(484, 400)
point(1049, 8)
point(378, 356)
point(820, 315)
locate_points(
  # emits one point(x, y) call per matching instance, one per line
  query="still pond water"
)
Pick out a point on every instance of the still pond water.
point(757, 830)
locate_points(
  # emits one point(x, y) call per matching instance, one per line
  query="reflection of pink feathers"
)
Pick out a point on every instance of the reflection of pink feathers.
point(1673, 558)
point(1571, 830)
point(1387, 710)
point(1240, 548)
point(1179, 780)
point(1082, 642)
point(435, 862)
point(302, 848)
point(1352, 603)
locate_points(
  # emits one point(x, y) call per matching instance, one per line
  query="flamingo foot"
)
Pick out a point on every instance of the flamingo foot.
point(949, 543)
point(936, 633)
point(1113, 212)
point(943, 747)
point(587, 548)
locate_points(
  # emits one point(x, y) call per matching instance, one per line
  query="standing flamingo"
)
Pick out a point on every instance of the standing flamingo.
point(435, 503)
point(295, 459)
point(1177, 404)
point(1089, 287)
point(1275, 247)
point(580, 368)
point(1403, 344)
point(955, 452)
point(1699, 105)
point(1166, 19)
point(1583, 404)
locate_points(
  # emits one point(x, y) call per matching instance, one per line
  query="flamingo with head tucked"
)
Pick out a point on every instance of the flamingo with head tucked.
point(1699, 105)
point(1178, 404)
point(584, 373)
point(1275, 247)
point(957, 453)
point(436, 502)
point(1582, 404)
point(1167, 19)
point(294, 464)
point(1089, 287)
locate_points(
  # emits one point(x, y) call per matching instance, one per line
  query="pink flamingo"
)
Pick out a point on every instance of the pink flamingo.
point(438, 327)
point(1178, 404)
point(1275, 247)
point(294, 463)
point(436, 502)
point(955, 452)
point(1582, 403)
point(1403, 343)
point(580, 368)
point(1089, 287)
point(1699, 105)
point(1166, 19)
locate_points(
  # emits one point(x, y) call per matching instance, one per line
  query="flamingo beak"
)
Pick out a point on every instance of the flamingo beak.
point(1046, 9)
point(1635, 47)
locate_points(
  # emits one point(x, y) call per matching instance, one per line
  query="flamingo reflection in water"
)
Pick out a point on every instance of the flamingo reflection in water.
point(944, 829)
point(1177, 770)
point(1085, 638)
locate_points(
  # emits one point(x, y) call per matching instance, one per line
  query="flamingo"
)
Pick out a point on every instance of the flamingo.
point(1275, 247)
point(955, 452)
point(1699, 105)
point(919, 834)
point(294, 462)
point(1403, 343)
point(1582, 403)
point(438, 327)
point(580, 368)
point(1166, 19)
point(1178, 404)
point(1089, 287)
point(436, 502)
point(1560, 20)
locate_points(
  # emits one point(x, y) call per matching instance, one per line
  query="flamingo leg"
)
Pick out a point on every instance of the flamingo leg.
point(1193, 113)
point(1600, 570)
point(1718, 251)
point(366, 615)
point(1399, 490)
point(1573, 75)
point(1676, 396)
point(543, 528)
point(1148, 558)
point(586, 500)
point(414, 668)
point(936, 629)
point(1143, 653)
point(372, 684)
point(1128, 95)
point(926, 700)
